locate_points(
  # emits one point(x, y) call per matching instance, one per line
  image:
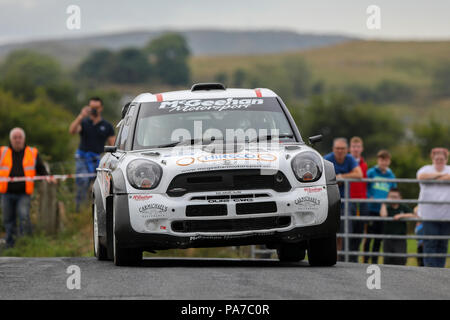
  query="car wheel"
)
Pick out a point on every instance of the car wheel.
point(291, 252)
point(124, 256)
point(322, 251)
point(99, 250)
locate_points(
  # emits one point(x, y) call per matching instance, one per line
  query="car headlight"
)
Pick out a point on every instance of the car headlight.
point(144, 174)
point(307, 167)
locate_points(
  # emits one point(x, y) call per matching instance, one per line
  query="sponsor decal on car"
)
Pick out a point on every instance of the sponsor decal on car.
point(141, 197)
point(307, 202)
point(226, 157)
point(208, 105)
point(312, 189)
point(150, 206)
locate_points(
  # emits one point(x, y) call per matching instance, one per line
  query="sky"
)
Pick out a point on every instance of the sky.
point(23, 20)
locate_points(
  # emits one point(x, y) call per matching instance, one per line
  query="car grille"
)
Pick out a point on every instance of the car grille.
point(256, 207)
point(222, 180)
point(206, 210)
point(230, 225)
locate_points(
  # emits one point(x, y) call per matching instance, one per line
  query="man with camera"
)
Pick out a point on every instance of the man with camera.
point(94, 133)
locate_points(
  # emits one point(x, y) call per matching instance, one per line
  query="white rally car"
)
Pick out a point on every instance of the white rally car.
point(211, 167)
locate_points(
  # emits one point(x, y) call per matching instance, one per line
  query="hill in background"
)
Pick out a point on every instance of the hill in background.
point(201, 42)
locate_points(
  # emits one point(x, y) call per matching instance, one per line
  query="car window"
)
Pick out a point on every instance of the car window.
point(162, 123)
point(125, 130)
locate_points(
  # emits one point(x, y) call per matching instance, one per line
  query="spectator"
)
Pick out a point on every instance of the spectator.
point(345, 166)
point(398, 212)
point(358, 190)
point(94, 132)
point(18, 160)
point(377, 190)
point(439, 170)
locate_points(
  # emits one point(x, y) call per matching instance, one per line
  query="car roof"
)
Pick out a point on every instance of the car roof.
point(205, 94)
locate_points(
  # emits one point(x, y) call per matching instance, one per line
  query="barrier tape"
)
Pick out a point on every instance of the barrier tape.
point(55, 176)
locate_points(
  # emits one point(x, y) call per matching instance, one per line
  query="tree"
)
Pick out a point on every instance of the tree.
point(96, 65)
point(44, 122)
point(239, 77)
point(339, 116)
point(432, 134)
point(129, 65)
point(298, 75)
point(441, 80)
point(23, 71)
point(169, 55)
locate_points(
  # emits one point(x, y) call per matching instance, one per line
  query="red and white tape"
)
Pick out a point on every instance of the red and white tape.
point(55, 176)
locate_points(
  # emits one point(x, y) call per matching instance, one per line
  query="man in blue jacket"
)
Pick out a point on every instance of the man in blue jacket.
point(377, 190)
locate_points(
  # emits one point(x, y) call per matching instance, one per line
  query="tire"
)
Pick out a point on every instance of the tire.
point(291, 252)
point(124, 256)
point(100, 251)
point(322, 252)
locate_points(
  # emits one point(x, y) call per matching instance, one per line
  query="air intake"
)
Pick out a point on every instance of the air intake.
point(207, 86)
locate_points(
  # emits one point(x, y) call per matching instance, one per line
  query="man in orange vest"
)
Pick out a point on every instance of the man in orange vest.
point(18, 160)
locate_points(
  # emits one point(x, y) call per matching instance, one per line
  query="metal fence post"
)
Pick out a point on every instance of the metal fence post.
point(346, 222)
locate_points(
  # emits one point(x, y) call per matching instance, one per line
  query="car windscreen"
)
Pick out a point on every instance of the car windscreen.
point(164, 123)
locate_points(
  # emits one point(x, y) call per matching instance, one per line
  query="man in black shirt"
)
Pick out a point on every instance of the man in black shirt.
point(94, 133)
point(18, 160)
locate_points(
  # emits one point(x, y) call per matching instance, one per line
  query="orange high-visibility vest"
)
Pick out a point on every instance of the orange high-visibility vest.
point(28, 163)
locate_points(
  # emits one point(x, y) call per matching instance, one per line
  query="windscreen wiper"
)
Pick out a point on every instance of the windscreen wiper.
point(187, 142)
point(271, 137)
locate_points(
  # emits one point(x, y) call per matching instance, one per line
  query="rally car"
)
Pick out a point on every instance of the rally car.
point(211, 167)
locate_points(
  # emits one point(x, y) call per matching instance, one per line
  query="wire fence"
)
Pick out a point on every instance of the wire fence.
point(347, 218)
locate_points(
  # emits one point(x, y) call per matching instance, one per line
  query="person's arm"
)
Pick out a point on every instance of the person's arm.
point(111, 140)
point(383, 210)
point(430, 176)
point(75, 126)
point(356, 173)
point(444, 177)
point(404, 215)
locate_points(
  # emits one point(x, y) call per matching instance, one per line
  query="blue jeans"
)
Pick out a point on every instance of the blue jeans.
point(435, 246)
point(82, 184)
point(13, 206)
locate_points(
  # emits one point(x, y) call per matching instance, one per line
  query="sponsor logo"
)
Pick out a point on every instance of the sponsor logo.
point(226, 157)
point(312, 189)
point(230, 236)
point(208, 105)
point(307, 202)
point(228, 200)
point(152, 207)
point(238, 156)
point(141, 197)
point(185, 161)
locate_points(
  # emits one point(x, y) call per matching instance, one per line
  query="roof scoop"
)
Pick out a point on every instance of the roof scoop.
point(207, 86)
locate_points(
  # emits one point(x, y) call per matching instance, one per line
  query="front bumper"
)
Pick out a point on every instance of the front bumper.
point(149, 227)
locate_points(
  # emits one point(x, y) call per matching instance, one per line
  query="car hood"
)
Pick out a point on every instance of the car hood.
point(222, 157)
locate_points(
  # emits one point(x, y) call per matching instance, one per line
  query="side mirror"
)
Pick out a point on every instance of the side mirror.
point(110, 149)
point(315, 139)
point(125, 109)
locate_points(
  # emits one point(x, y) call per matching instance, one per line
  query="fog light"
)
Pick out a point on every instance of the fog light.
point(151, 225)
point(306, 217)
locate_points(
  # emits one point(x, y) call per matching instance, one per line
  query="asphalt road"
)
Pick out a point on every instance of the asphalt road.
point(45, 278)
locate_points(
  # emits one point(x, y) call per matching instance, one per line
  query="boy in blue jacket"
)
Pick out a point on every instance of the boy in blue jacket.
point(377, 190)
